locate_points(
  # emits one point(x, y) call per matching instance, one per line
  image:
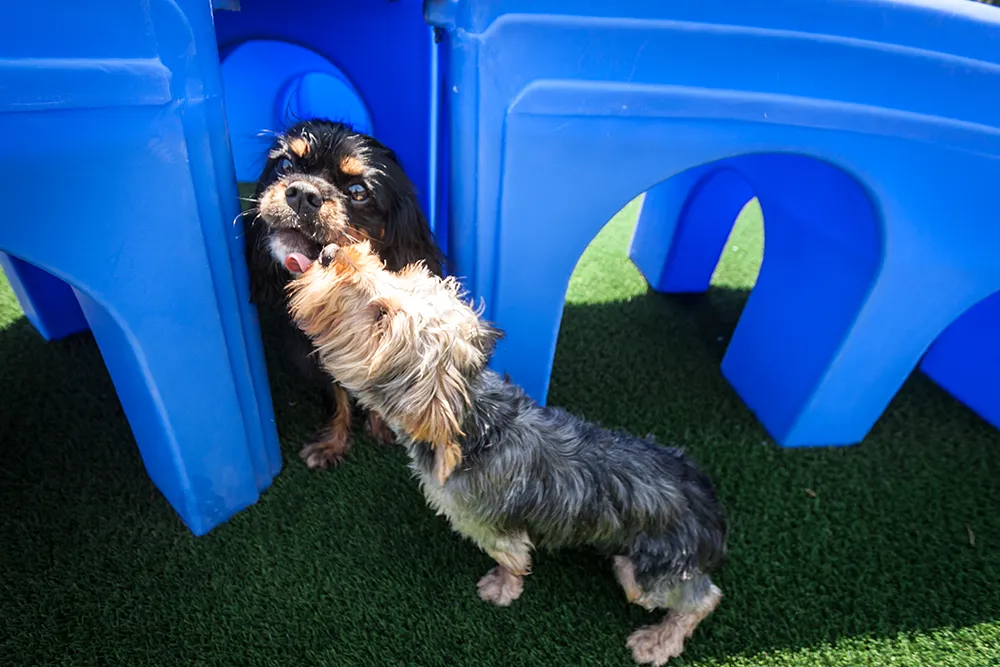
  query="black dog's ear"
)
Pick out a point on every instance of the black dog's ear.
point(408, 238)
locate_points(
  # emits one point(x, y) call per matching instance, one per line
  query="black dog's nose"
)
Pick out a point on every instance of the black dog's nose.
point(303, 198)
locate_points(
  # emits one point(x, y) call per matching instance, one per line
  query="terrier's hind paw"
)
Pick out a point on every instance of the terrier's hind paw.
point(500, 587)
point(656, 644)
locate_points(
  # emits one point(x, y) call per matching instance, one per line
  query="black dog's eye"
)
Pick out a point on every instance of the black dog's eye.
point(358, 192)
point(284, 165)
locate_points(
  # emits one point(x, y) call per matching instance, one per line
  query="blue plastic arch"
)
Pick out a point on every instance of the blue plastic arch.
point(270, 85)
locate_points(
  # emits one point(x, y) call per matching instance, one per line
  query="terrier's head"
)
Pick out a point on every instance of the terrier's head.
point(407, 344)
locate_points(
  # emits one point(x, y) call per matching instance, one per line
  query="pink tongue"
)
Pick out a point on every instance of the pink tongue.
point(296, 262)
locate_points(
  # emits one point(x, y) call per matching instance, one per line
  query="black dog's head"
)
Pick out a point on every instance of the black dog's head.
point(325, 183)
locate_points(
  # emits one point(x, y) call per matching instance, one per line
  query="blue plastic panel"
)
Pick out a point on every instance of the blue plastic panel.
point(867, 129)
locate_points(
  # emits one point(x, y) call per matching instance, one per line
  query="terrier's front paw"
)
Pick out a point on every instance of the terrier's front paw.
point(327, 450)
point(328, 254)
point(378, 431)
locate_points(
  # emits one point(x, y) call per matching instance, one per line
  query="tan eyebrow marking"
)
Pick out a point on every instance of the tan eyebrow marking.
point(352, 166)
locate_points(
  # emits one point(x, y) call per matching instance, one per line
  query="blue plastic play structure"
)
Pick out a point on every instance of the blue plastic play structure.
point(867, 129)
point(120, 211)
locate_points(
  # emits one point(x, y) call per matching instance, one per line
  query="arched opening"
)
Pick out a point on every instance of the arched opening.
point(743, 252)
point(272, 84)
point(617, 330)
point(48, 303)
point(802, 290)
point(965, 359)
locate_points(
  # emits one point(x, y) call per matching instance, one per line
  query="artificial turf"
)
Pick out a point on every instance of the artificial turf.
point(845, 556)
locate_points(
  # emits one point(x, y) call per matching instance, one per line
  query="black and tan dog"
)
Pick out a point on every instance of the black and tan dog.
point(510, 475)
point(325, 183)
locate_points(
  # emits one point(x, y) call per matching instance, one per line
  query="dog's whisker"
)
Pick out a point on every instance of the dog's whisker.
point(352, 238)
point(250, 217)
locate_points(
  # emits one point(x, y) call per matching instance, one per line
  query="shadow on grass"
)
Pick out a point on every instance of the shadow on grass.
point(350, 567)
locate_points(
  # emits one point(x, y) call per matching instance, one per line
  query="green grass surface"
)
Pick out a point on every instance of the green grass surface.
point(871, 566)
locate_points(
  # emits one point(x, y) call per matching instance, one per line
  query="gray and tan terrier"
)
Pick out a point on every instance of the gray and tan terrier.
point(508, 474)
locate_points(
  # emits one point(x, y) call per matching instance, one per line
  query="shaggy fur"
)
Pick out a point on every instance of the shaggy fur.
point(509, 475)
point(325, 183)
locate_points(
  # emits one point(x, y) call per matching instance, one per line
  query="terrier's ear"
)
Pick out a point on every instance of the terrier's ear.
point(385, 307)
point(439, 422)
point(487, 337)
